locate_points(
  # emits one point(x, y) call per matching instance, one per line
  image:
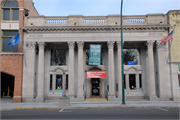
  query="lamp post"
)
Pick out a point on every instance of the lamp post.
point(123, 96)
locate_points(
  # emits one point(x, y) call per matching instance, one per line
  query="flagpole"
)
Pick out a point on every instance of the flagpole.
point(170, 45)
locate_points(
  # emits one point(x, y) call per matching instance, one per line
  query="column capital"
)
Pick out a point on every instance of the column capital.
point(71, 45)
point(119, 44)
point(110, 44)
point(41, 45)
point(30, 44)
point(160, 45)
point(150, 44)
point(80, 44)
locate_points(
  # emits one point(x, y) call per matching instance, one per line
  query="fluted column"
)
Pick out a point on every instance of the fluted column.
point(151, 76)
point(29, 81)
point(53, 83)
point(111, 93)
point(119, 70)
point(71, 89)
point(80, 94)
point(40, 87)
point(162, 70)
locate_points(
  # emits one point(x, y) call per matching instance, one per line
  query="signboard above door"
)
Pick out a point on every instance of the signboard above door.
point(96, 74)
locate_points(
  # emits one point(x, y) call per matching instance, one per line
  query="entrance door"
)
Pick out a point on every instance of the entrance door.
point(95, 91)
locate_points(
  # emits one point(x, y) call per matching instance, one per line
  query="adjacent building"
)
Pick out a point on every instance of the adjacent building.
point(11, 58)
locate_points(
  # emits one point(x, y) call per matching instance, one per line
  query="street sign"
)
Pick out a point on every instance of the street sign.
point(96, 74)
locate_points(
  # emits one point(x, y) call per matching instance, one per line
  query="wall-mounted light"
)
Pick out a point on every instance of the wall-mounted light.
point(116, 23)
point(160, 22)
point(31, 23)
point(74, 23)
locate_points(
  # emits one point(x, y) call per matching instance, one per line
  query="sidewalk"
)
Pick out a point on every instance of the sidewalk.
point(89, 105)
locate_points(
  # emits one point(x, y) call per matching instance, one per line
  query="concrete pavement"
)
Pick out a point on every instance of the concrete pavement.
point(7, 105)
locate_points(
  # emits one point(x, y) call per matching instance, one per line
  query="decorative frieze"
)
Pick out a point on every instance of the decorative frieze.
point(150, 44)
point(110, 44)
point(71, 45)
point(30, 44)
point(41, 45)
point(80, 45)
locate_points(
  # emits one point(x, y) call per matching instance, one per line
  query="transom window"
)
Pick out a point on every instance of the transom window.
point(58, 57)
point(10, 10)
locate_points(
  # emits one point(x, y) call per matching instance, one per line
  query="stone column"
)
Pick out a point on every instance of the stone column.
point(127, 82)
point(151, 76)
point(111, 93)
point(53, 82)
point(29, 81)
point(64, 83)
point(71, 83)
point(119, 71)
point(40, 87)
point(162, 70)
point(80, 94)
point(137, 82)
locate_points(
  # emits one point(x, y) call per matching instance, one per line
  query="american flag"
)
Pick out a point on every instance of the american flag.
point(167, 38)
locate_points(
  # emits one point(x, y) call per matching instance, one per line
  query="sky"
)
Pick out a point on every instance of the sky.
point(104, 7)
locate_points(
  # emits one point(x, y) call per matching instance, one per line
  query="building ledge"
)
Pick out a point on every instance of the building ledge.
point(11, 53)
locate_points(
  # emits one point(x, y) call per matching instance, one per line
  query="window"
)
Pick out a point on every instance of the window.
point(7, 35)
point(66, 82)
point(10, 10)
point(132, 82)
point(59, 83)
point(179, 80)
point(131, 55)
point(58, 57)
point(51, 83)
point(140, 82)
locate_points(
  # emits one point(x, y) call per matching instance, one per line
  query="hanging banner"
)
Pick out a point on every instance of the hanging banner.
point(94, 54)
point(96, 74)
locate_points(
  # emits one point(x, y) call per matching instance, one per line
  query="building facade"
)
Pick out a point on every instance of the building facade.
point(57, 56)
point(174, 22)
point(11, 58)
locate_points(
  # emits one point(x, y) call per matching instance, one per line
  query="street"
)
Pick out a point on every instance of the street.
point(116, 113)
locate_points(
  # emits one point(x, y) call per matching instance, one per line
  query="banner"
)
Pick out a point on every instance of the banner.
point(96, 74)
point(94, 54)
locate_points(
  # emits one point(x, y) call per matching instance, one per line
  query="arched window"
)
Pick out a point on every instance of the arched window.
point(10, 10)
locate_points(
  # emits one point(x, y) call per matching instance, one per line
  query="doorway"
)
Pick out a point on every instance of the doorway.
point(95, 87)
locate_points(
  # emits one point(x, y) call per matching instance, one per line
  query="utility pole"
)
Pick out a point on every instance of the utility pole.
point(123, 95)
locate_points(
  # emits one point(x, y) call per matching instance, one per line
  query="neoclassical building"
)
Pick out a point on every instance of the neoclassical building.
point(57, 51)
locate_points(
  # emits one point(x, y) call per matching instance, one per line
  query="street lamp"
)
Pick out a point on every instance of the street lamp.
point(123, 96)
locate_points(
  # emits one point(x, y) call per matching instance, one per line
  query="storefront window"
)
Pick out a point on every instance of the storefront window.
point(58, 57)
point(132, 82)
point(131, 55)
point(50, 83)
point(59, 83)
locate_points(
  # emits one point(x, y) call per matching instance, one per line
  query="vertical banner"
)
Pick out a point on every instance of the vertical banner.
point(94, 54)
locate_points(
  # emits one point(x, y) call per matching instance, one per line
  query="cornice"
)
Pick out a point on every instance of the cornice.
point(96, 28)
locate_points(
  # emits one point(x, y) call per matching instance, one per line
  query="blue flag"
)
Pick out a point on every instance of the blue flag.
point(15, 40)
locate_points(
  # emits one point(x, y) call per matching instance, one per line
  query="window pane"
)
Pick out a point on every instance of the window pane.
point(15, 14)
point(124, 81)
point(140, 82)
point(9, 48)
point(132, 82)
point(58, 57)
point(66, 82)
point(6, 14)
point(10, 33)
point(50, 83)
point(131, 55)
point(11, 4)
point(58, 82)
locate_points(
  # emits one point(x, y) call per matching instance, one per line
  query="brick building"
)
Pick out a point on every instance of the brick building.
point(11, 58)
